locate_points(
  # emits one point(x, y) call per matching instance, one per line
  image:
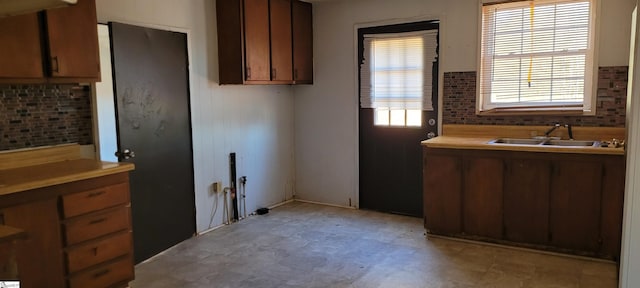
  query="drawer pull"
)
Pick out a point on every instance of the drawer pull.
point(94, 194)
point(95, 251)
point(97, 221)
point(101, 273)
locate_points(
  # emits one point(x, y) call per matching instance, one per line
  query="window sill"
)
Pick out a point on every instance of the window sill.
point(557, 111)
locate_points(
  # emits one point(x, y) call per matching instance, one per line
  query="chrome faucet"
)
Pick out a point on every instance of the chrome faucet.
point(555, 126)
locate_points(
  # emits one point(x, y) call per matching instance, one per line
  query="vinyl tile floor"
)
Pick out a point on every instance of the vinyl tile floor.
point(309, 245)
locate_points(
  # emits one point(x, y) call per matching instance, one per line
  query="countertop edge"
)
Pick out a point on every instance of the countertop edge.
point(480, 143)
point(72, 177)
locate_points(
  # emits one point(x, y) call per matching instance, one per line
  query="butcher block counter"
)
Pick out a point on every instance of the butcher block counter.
point(75, 214)
point(560, 199)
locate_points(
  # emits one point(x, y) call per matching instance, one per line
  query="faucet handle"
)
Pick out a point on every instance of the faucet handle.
point(569, 131)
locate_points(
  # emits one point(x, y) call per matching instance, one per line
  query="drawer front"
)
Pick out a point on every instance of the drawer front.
point(94, 200)
point(96, 225)
point(97, 252)
point(105, 276)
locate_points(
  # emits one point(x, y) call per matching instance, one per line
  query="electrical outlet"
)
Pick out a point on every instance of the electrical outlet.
point(217, 187)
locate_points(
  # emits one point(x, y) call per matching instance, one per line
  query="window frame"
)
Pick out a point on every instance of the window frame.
point(588, 105)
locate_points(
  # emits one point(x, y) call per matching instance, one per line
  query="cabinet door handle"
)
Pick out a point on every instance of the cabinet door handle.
point(55, 65)
point(248, 72)
point(94, 194)
point(97, 221)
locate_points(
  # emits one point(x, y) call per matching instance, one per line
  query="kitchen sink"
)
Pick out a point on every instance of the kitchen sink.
point(517, 141)
point(544, 142)
point(575, 143)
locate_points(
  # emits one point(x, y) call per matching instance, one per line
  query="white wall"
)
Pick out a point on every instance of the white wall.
point(326, 113)
point(104, 112)
point(630, 260)
point(256, 122)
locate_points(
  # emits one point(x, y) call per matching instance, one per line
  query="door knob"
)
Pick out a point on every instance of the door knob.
point(125, 154)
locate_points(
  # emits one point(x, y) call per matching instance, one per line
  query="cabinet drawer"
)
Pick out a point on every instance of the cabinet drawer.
point(100, 251)
point(105, 276)
point(95, 225)
point(93, 200)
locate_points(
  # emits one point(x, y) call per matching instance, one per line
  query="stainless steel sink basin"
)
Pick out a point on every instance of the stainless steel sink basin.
point(517, 141)
point(544, 142)
point(574, 143)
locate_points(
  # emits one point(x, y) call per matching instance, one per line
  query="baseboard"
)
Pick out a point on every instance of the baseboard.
point(325, 204)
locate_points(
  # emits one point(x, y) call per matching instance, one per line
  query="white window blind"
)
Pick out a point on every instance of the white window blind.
point(396, 71)
point(537, 54)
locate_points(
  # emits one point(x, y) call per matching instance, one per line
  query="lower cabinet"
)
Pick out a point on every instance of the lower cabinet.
point(574, 201)
point(78, 236)
point(38, 256)
point(561, 202)
point(442, 194)
point(482, 196)
point(526, 201)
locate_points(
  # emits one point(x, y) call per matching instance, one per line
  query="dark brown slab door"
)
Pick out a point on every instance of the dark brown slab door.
point(151, 83)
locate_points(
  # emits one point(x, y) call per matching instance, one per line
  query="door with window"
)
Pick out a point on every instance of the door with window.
point(398, 109)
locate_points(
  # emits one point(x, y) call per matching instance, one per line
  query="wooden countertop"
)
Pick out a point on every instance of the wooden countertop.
point(462, 137)
point(47, 166)
point(37, 176)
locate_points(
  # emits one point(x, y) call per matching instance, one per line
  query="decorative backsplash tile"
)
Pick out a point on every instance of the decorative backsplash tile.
point(459, 103)
point(42, 115)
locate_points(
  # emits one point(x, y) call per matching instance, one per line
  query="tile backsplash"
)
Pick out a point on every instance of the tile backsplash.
point(42, 115)
point(459, 103)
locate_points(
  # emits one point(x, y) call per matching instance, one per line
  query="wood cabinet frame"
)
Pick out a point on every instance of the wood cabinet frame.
point(544, 209)
point(53, 46)
point(264, 42)
point(43, 257)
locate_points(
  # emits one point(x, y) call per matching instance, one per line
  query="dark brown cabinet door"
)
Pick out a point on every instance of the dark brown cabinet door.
point(526, 201)
point(73, 41)
point(230, 41)
point(281, 60)
point(482, 197)
point(612, 206)
point(575, 204)
point(302, 42)
point(39, 256)
point(442, 194)
point(20, 49)
point(256, 37)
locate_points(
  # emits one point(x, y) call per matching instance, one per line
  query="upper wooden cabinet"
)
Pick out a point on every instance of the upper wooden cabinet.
point(257, 41)
point(20, 49)
point(57, 45)
point(302, 42)
point(73, 41)
point(256, 37)
point(281, 40)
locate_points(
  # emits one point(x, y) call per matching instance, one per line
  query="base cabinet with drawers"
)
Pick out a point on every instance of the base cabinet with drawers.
point(78, 234)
